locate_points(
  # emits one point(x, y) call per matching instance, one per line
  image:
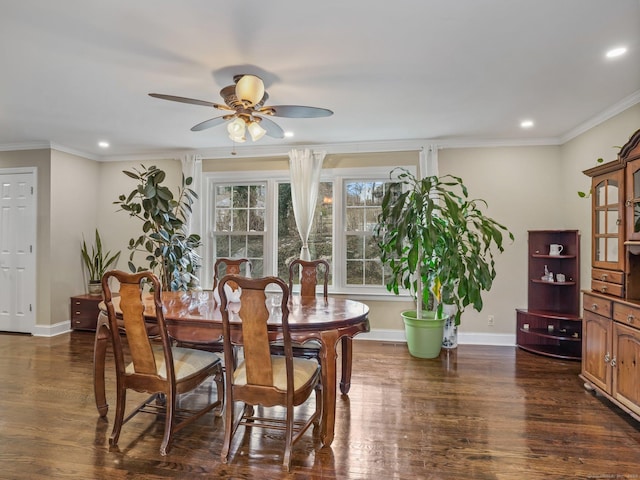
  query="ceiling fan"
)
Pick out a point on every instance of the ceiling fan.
point(245, 110)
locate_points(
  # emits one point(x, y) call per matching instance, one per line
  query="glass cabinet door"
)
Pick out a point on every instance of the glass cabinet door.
point(607, 221)
point(632, 204)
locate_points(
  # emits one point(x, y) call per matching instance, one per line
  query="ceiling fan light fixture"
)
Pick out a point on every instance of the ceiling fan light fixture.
point(236, 129)
point(256, 131)
point(250, 89)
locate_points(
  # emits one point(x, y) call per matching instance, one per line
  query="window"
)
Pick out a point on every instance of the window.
point(239, 215)
point(363, 204)
point(253, 218)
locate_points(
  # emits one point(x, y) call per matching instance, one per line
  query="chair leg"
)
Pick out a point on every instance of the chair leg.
point(288, 438)
point(121, 397)
point(228, 427)
point(171, 404)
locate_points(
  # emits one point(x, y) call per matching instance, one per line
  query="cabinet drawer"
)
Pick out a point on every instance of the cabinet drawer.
point(82, 309)
point(84, 323)
point(608, 288)
point(608, 276)
point(626, 314)
point(598, 305)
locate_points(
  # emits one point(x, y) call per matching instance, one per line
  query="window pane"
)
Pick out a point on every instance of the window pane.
point(222, 246)
point(256, 220)
point(355, 247)
point(238, 246)
point(240, 196)
point(223, 220)
point(354, 272)
point(255, 246)
point(239, 221)
point(355, 219)
point(223, 196)
point(373, 272)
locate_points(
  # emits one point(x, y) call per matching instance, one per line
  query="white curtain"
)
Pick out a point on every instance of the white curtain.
point(305, 166)
point(192, 167)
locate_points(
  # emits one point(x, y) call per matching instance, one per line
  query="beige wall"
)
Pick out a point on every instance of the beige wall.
point(521, 187)
point(73, 215)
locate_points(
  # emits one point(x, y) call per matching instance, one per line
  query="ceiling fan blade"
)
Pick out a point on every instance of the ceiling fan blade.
point(212, 122)
point(272, 128)
point(295, 111)
point(191, 101)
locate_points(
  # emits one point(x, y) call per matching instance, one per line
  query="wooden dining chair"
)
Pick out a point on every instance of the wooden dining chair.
point(222, 266)
point(262, 379)
point(154, 366)
point(308, 273)
point(231, 266)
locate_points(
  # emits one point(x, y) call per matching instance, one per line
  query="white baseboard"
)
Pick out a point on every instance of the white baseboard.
point(470, 338)
point(380, 335)
point(51, 330)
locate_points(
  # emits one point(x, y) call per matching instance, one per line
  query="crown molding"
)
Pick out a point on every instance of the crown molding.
point(9, 147)
point(603, 116)
point(73, 151)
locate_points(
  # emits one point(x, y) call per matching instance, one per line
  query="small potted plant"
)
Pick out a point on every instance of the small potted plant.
point(97, 263)
point(436, 243)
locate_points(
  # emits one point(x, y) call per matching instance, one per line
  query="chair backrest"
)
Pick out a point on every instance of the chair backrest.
point(246, 325)
point(231, 266)
point(139, 346)
point(309, 275)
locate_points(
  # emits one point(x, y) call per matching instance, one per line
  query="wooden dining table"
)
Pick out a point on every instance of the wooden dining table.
point(195, 317)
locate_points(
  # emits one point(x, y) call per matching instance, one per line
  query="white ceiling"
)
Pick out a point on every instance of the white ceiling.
point(74, 72)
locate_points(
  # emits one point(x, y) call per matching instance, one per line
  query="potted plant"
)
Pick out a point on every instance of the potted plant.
point(164, 240)
point(436, 243)
point(97, 263)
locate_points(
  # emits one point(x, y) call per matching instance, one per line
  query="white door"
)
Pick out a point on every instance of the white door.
point(17, 251)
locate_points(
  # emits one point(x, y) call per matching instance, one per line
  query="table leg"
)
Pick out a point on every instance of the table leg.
point(345, 382)
point(328, 359)
point(99, 357)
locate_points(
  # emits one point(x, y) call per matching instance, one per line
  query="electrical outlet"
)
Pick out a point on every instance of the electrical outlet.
point(490, 320)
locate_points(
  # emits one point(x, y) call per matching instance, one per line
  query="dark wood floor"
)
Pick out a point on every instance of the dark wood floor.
point(476, 413)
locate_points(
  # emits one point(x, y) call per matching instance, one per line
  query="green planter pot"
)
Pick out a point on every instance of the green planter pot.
point(424, 336)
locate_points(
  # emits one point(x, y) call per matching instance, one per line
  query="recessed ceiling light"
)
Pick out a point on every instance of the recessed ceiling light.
point(616, 52)
point(526, 123)
point(103, 144)
point(288, 134)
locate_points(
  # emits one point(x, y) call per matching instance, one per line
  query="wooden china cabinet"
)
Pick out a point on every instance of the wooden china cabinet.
point(611, 317)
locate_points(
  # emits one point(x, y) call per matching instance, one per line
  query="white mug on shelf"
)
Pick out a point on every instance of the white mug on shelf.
point(555, 249)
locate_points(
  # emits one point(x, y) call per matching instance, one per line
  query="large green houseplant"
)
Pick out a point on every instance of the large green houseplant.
point(165, 242)
point(437, 243)
point(97, 262)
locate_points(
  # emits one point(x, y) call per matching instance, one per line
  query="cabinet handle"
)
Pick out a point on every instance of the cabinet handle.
point(607, 357)
point(628, 203)
point(594, 306)
point(630, 318)
point(603, 289)
point(613, 362)
point(618, 221)
point(604, 277)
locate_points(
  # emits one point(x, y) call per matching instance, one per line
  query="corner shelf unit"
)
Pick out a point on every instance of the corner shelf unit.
point(551, 325)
